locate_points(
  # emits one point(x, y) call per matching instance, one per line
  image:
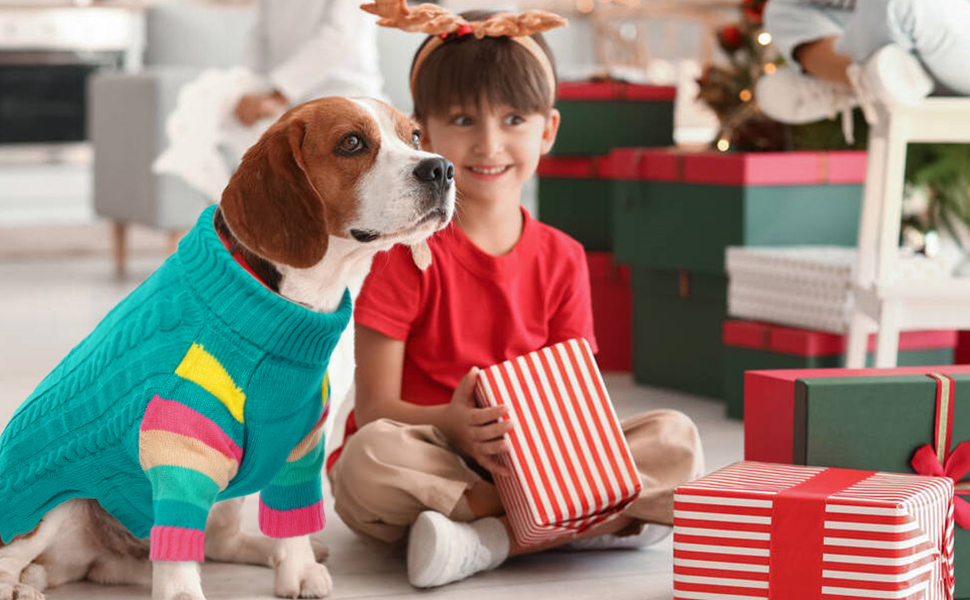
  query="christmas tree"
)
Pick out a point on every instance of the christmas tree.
point(729, 88)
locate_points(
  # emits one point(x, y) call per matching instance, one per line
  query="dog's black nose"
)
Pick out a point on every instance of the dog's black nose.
point(438, 171)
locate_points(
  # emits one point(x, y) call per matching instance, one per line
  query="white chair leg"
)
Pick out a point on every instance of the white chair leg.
point(887, 339)
point(858, 344)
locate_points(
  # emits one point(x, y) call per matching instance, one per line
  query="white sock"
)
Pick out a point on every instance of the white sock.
point(441, 551)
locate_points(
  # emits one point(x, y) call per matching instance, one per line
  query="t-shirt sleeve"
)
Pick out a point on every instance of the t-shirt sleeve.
point(391, 295)
point(573, 318)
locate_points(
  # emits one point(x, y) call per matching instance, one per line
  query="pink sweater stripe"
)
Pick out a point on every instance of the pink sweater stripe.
point(168, 415)
point(291, 523)
point(177, 544)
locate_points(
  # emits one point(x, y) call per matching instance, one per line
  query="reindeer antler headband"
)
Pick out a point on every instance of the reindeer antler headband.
point(437, 21)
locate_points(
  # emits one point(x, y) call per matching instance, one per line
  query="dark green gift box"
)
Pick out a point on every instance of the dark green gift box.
point(870, 419)
point(598, 116)
point(677, 318)
point(575, 196)
point(752, 345)
point(681, 209)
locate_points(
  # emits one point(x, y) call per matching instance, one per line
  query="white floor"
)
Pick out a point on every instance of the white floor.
point(48, 305)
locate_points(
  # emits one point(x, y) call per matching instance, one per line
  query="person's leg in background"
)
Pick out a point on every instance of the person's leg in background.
point(936, 31)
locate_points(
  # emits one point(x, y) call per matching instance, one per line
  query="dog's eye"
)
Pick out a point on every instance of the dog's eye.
point(416, 138)
point(351, 143)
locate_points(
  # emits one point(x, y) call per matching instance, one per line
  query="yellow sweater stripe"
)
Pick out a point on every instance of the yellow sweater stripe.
point(202, 368)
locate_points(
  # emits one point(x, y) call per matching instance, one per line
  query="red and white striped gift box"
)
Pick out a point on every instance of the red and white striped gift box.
point(759, 530)
point(570, 464)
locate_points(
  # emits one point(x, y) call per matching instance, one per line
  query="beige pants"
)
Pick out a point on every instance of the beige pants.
point(390, 472)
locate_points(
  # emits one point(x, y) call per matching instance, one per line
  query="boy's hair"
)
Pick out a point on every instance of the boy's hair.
point(465, 70)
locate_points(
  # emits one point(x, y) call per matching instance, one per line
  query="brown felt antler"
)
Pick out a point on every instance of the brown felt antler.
point(517, 25)
point(435, 20)
point(424, 18)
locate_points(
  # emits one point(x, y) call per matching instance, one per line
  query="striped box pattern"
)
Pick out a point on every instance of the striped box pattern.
point(762, 530)
point(570, 466)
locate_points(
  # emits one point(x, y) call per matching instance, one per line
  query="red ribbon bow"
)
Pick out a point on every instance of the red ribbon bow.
point(936, 460)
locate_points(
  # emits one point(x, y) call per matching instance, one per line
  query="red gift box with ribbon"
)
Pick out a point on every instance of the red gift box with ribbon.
point(762, 530)
point(570, 466)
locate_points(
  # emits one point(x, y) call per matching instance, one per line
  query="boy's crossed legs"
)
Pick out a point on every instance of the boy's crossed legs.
point(393, 477)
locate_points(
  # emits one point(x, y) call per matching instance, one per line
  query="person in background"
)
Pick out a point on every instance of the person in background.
point(308, 49)
point(844, 53)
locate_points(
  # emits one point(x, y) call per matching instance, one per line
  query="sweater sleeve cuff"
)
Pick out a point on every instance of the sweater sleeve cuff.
point(177, 544)
point(291, 523)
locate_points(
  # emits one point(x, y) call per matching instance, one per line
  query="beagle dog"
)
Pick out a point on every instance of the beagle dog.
point(330, 184)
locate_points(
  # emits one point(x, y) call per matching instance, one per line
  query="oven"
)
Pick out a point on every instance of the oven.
point(47, 53)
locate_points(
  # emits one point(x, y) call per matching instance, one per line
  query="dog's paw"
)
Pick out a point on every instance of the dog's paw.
point(306, 580)
point(19, 591)
point(35, 576)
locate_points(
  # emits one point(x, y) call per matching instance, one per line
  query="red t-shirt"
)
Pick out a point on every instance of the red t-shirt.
point(470, 308)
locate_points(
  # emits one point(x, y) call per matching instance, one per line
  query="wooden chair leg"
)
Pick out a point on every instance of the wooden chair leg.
point(887, 339)
point(858, 340)
point(173, 240)
point(120, 230)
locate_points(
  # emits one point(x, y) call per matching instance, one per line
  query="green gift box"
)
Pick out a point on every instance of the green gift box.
point(598, 116)
point(575, 196)
point(752, 345)
point(869, 419)
point(682, 209)
point(677, 318)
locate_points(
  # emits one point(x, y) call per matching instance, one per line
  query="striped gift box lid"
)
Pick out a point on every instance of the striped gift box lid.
point(570, 464)
point(760, 530)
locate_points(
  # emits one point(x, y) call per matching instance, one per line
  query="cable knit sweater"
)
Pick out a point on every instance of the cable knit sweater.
point(201, 385)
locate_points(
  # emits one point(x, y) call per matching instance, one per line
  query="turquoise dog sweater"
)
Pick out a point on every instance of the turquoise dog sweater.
point(201, 385)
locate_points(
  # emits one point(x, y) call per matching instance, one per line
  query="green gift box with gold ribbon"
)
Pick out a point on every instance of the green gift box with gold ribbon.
point(903, 420)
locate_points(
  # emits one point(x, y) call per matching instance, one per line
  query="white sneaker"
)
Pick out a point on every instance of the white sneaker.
point(792, 97)
point(890, 76)
point(651, 534)
point(441, 551)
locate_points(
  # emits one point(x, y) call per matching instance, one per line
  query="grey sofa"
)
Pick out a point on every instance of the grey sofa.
point(127, 114)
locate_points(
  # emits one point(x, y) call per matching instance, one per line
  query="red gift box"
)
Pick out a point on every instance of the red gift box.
point(759, 530)
point(612, 311)
point(570, 466)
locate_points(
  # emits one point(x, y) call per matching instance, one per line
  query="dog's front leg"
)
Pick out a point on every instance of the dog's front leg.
point(298, 574)
point(176, 580)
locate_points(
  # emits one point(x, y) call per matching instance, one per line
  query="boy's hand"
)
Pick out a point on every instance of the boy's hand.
point(477, 432)
point(253, 107)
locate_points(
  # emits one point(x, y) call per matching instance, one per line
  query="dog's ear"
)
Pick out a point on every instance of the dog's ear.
point(270, 205)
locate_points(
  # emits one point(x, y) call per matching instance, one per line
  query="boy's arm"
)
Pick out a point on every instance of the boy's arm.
point(573, 317)
point(474, 432)
point(380, 367)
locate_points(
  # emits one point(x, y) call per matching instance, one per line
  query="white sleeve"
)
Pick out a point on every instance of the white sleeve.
point(256, 52)
point(795, 22)
point(343, 48)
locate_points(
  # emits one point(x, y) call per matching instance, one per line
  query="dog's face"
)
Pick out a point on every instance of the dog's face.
point(338, 167)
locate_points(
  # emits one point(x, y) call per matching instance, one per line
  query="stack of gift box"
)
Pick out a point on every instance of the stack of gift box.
point(658, 224)
point(576, 188)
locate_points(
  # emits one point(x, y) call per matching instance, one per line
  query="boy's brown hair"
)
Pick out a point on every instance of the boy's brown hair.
point(465, 70)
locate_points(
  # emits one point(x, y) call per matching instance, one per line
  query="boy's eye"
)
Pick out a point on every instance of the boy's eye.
point(416, 138)
point(461, 121)
point(514, 120)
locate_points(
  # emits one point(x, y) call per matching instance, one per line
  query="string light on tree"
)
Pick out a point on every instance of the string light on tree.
point(729, 89)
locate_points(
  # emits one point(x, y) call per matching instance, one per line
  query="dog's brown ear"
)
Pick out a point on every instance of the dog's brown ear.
point(270, 205)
